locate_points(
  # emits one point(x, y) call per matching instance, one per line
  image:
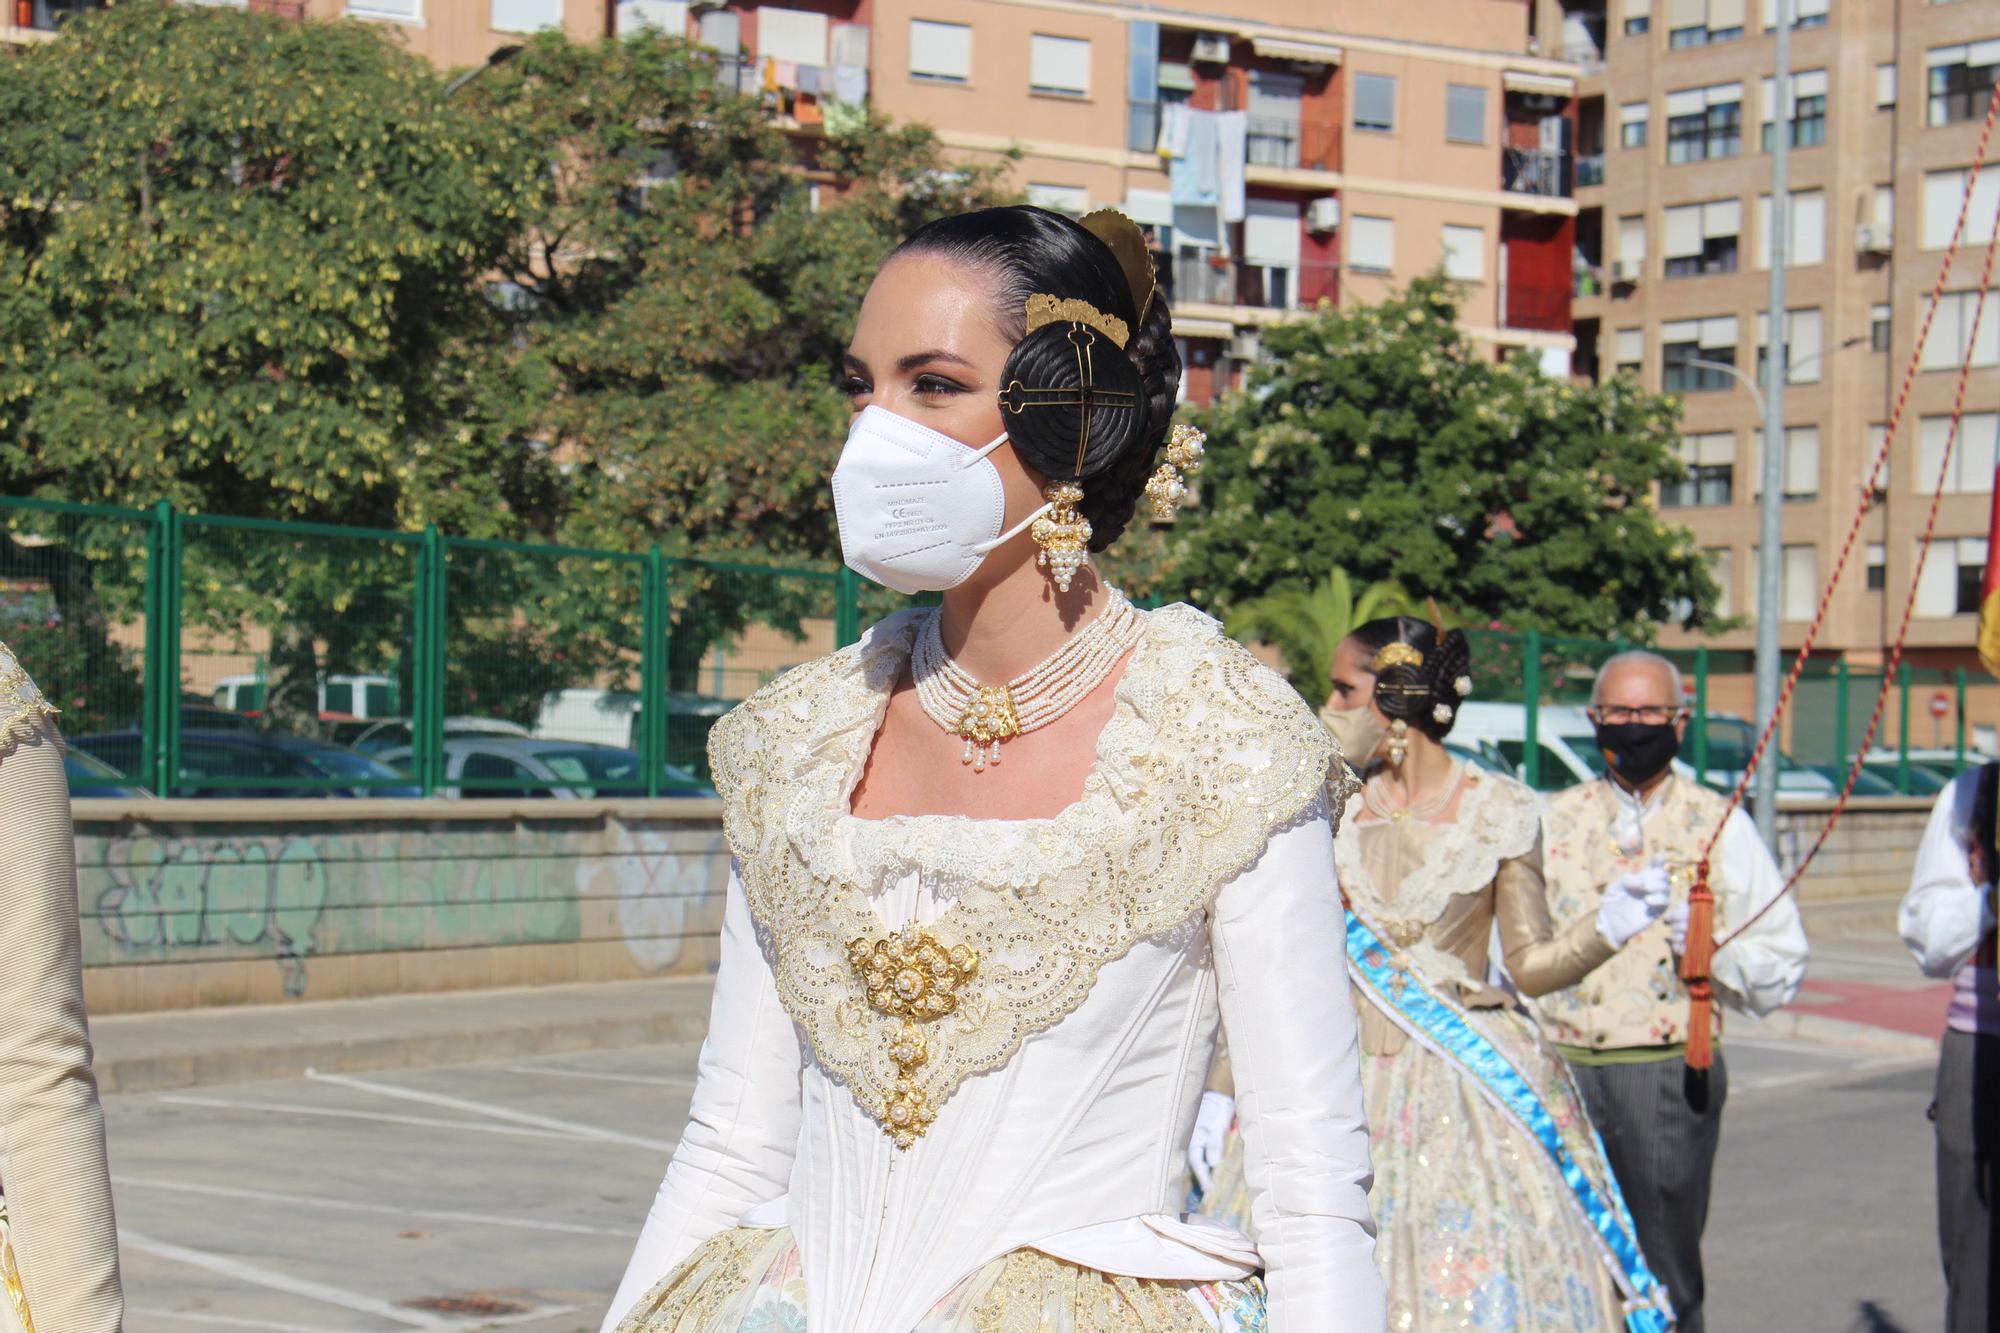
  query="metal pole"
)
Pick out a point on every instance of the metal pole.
point(1842, 688)
point(846, 607)
point(652, 664)
point(1531, 690)
point(1777, 369)
point(1699, 752)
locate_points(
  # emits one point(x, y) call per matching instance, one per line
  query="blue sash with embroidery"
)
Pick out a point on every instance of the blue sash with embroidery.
point(1442, 1026)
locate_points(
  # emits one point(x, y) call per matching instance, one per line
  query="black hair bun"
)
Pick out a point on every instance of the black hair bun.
point(1066, 383)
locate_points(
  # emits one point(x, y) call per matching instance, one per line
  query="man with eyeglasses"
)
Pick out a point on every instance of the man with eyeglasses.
point(1623, 1028)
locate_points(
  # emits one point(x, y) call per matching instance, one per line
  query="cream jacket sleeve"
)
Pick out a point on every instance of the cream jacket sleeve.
point(1280, 942)
point(1945, 914)
point(52, 1163)
point(1761, 969)
point(743, 1125)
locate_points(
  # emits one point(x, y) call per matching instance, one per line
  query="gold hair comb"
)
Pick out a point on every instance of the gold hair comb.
point(1046, 310)
point(1396, 655)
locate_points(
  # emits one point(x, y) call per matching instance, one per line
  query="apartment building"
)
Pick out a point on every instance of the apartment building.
point(1281, 157)
point(1677, 115)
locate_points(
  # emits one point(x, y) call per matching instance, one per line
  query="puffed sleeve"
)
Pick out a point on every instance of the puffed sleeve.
point(53, 1166)
point(1760, 970)
point(743, 1124)
point(1279, 940)
point(1539, 960)
point(1946, 912)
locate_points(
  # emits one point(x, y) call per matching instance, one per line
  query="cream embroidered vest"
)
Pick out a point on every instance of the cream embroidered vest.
point(1206, 755)
point(1637, 998)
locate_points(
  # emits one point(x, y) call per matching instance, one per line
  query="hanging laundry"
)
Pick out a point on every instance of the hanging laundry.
point(1232, 147)
point(809, 76)
point(1194, 176)
point(785, 73)
point(1173, 130)
point(850, 84)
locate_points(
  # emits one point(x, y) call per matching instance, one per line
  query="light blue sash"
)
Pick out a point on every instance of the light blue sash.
point(1443, 1027)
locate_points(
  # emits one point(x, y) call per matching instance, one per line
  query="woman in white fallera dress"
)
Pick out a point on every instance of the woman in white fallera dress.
point(979, 937)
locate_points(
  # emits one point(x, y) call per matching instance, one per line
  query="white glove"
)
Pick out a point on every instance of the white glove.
point(1633, 902)
point(1677, 927)
point(1211, 1131)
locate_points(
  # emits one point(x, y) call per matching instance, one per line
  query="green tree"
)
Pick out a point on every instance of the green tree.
point(1377, 440)
point(1306, 625)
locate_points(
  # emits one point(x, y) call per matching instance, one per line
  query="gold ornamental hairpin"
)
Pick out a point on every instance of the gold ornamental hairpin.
point(1046, 310)
point(1396, 655)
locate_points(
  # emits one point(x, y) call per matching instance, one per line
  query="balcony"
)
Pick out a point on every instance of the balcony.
point(1204, 279)
point(1589, 169)
point(1282, 144)
point(1536, 171)
point(1537, 307)
point(31, 20)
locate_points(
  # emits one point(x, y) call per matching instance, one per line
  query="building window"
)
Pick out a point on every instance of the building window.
point(1632, 242)
point(1944, 194)
point(1803, 346)
point(1710, 480)
point(1705, 123)
point(1271, 254)
point(1628, 351)
point(1875, 484)
point(1952, 574)
point(1464, 113)
point(1685, 341)
point(1059, 66)
point(1879, 330)
point(1375, 102)
point(1801, 582)
point(1801, 462)
point(1952, 332)
point(940, 52)
point(1970, 469)
point(536, 16)
point(1959, 80)
point(1885, 86)
point(1464, 253)
point(1807, 216)
point(396, 11)
point(1876, 562)
point(1371, 244)
point(1702, 22)
point(1638, 15)
point(1073, 200)
point(1807, 111)
point(1702, 238)
point(1805, 14)
point(1275, 101)
point(1722, 568)
point(1632, 121)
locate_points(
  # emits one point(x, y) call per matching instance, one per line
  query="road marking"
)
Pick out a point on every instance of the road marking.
point(1844, 1073)
point(431, 1122)
point(255, 1275)
point(354, 1206)
point(556, 1071)
point(232, 1321)
point(569, 1127)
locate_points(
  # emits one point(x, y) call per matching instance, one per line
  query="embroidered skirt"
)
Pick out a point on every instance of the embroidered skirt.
point(1473, 1224)
point(748, 1280)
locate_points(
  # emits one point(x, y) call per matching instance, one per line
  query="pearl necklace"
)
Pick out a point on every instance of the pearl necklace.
point(985, 715)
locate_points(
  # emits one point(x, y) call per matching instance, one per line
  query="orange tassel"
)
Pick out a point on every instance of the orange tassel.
point(1695, 964)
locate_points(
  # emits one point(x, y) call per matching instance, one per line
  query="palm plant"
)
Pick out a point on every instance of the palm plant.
point(1306, 625)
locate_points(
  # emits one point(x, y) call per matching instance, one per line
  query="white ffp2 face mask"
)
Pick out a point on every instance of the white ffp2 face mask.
point(917, 510)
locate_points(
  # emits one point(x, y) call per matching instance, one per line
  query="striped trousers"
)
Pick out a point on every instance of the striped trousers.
point(1661, 1123)
point(1967, 1112)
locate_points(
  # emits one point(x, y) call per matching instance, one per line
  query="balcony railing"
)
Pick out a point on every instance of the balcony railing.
point(46, 15)
point(1208, 280)
point(1587, 281)
point(1541, 307)
point(1537, 171)
point(1273, 141)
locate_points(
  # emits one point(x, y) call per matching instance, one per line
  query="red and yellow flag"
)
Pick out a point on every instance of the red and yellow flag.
point(1989, 589)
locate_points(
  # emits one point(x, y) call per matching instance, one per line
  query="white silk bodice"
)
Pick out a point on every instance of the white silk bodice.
point(1062, 1109)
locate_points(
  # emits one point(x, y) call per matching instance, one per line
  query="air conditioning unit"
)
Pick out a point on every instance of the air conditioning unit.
point(1873, 239)
point(1211, 48)
point(1627, 270)
point(1323, 215)
point(1245, 345)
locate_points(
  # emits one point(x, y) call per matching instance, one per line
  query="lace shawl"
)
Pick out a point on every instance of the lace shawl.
point(1207, 754)
point(23, 710)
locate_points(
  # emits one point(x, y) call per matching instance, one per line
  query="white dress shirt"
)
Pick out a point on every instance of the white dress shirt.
point(1946, 915)
point(1074, 1147)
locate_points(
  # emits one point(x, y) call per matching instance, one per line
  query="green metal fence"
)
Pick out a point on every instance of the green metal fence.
point(1543, 682)
point(200, 655)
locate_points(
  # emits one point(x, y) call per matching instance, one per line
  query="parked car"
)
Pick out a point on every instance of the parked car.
point(614, 717)
point(254, 765)
point(530, 766)
point(391, 732)
point(90, 777)
point(340, 696)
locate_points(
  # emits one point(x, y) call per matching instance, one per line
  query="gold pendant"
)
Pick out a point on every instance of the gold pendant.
point(913, 976)
point(989, 718)
point(1062, 533)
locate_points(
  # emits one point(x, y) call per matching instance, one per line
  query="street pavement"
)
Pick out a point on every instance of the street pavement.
point(506, 1194)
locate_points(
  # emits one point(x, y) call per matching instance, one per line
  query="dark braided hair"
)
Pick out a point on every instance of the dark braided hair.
point(1413, 693)
point(1033, 251)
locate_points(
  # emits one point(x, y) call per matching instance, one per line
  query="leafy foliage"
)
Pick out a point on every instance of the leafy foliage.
point(1377, 441)
point(1307, 625)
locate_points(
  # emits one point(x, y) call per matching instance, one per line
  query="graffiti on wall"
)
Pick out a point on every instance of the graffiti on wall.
point(198, 893)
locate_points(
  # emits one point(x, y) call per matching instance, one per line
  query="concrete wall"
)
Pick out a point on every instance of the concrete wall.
point(196, 903)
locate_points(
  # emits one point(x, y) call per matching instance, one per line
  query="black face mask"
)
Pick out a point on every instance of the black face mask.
point(1639, 751)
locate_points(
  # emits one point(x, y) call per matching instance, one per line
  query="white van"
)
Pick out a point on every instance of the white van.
point(591, 716)
point(1569, 753)
point(341, 698)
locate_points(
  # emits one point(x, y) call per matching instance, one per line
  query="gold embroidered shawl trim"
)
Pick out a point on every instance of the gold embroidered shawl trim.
point(1207, 754)
point(23, 710)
